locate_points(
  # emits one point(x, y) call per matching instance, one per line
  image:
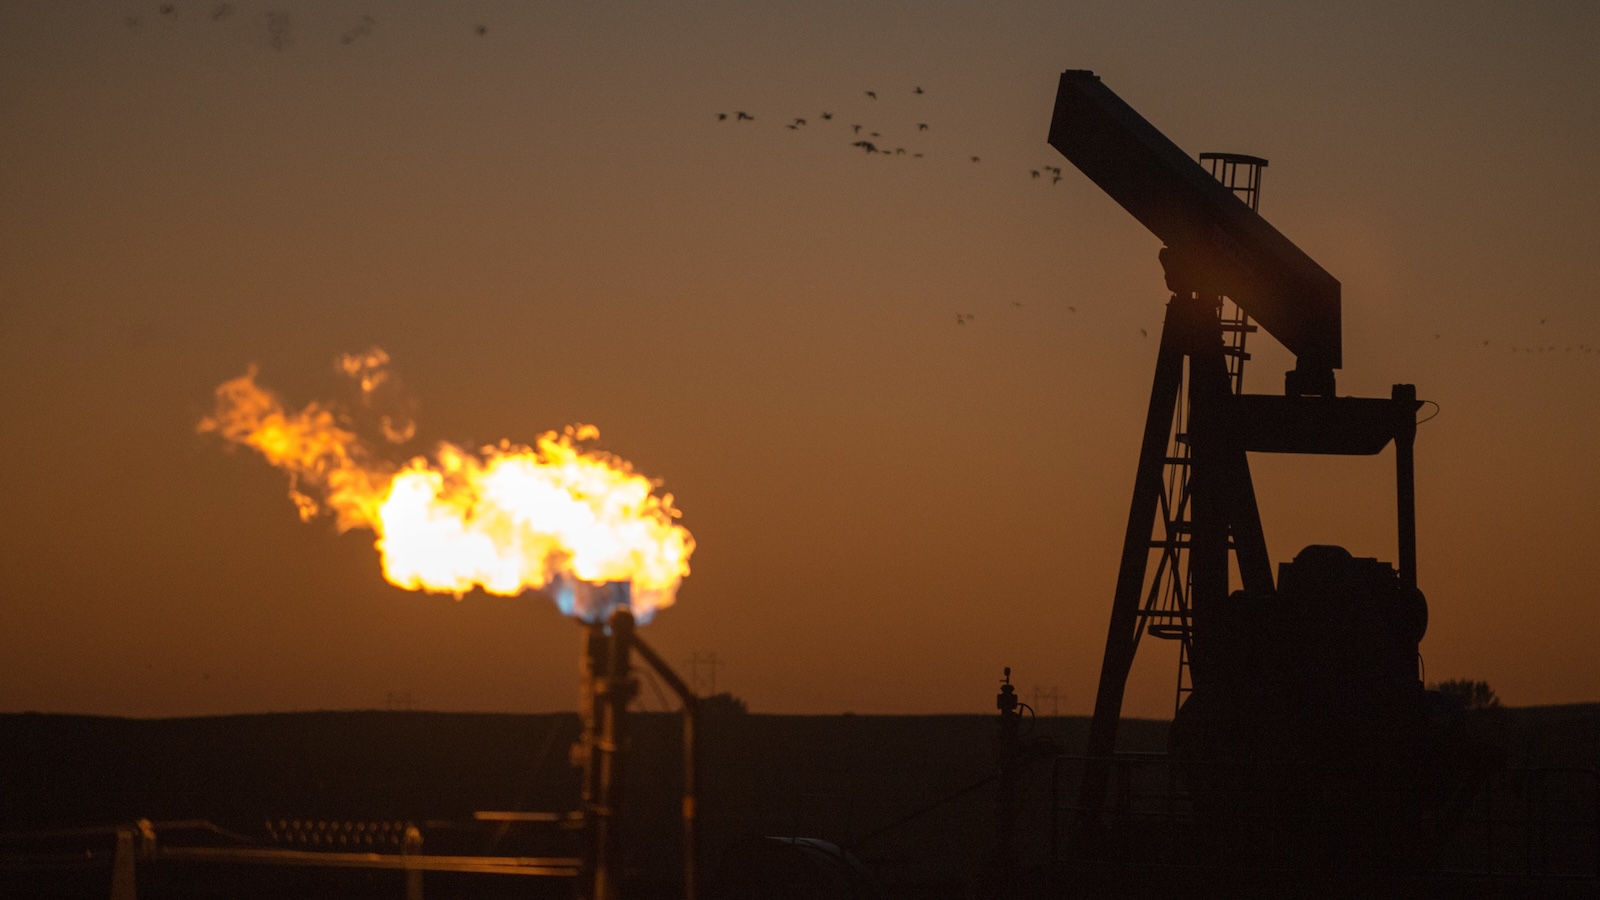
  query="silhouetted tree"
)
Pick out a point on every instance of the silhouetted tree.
point(1472, 694)
point(723, 704)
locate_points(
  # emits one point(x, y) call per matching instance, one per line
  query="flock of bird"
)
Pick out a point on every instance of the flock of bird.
point(1050, 172)
point(170, 10)
point(279, 36)
point(869, 143)
point(1540, 348)
point(872, 141)
point(279, 32)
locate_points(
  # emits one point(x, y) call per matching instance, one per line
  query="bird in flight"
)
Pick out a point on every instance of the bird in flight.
point(855, 129)
point(868, 146)
point(974, 159)
point(872, 94)
point(792, 127)
point(918, 90)
point(1072, 309)
point(1035, 173)
point(826, 116)
point(1143, 333)
point(722, 117)
point(482, 30)
point(799, 121)
point(744, 117)
point(360, 31)
point(916, 156)
point(1055, 179)
point(922, 126)
point(899, 151)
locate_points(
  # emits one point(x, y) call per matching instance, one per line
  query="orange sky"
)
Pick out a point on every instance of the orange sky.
point(545, 224)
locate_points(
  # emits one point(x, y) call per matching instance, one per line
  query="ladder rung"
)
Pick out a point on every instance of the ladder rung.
point(1164, 614)
point(1179, 544)
point(1235, 352)
point(1245, 327)
point(1168, 632)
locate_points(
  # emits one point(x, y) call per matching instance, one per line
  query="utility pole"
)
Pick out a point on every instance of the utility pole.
point(707, 658)
point(1053, 695)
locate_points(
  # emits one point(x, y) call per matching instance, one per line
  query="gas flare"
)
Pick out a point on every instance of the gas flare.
point(558, 515)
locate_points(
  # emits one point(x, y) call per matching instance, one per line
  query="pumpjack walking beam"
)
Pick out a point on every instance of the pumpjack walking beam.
point(1214, 241)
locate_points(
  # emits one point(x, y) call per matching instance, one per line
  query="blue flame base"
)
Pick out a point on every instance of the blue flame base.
point(593, 602)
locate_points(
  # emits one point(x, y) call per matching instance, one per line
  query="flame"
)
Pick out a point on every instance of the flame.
point(371, 372)
point(508, 518)
point(370, 369)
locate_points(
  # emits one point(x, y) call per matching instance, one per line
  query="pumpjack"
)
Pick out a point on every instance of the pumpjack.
point(1300, 694)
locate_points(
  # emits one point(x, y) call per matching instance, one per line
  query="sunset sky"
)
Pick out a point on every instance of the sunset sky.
point(545, 223)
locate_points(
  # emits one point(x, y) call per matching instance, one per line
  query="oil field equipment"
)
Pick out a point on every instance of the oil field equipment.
point(1300, 695)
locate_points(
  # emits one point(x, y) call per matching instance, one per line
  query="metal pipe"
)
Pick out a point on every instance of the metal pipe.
point(483, 865)
point(1405, 479)
point(691, 764)
point(585, 752)
point(616, 690)
point(410, 849)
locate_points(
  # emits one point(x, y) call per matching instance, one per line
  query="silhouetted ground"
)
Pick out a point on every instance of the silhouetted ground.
point(846, 779)
point(870, 783)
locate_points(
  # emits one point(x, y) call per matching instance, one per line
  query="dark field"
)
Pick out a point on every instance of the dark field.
point(869, 783)
point(848, 779)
